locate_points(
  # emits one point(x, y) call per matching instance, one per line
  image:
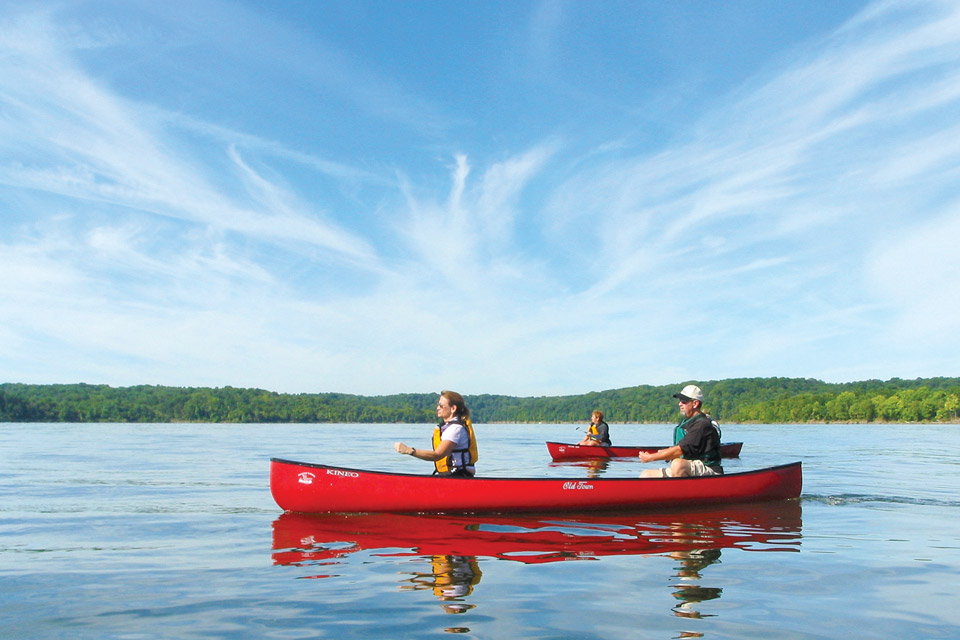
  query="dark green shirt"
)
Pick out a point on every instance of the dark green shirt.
point(699, 439)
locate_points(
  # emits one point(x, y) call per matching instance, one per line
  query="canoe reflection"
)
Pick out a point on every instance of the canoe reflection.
point(595, 467)
point(305, 539)
point(451, 545)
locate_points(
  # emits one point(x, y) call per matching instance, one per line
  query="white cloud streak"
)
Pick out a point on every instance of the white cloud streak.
point(156, 247)
point(99, 147)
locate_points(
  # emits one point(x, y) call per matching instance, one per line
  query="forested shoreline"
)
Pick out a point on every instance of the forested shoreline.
point(740, 400)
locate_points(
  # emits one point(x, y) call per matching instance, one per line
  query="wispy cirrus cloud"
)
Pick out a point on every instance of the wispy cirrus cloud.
point(783, 189)
point(127, 239)
point(781, 235)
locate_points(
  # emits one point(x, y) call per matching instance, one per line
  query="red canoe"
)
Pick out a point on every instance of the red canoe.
point(321, 538)
point(564, 451)
point(318, 488)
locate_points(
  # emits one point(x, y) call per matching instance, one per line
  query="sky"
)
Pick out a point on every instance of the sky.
point(506, 197)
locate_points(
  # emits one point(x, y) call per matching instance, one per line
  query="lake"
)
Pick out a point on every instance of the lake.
point(169, 531)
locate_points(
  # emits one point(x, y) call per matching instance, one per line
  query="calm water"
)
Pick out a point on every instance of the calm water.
point(169, 531)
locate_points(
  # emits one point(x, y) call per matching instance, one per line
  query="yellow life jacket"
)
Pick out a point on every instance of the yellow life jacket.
point(445, 465)
point(593, 430)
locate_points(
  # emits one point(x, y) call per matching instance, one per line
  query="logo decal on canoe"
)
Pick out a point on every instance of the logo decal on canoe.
point(344, 474)
point(305, 477)
point(579, 484)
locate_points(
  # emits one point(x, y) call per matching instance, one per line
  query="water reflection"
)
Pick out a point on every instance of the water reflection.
point(451, 578)
point(451, 545)
point(689, 591)
point(595, 467)
point(691, 562)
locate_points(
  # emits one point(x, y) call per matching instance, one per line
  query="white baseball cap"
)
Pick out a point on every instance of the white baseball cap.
point(690, 392)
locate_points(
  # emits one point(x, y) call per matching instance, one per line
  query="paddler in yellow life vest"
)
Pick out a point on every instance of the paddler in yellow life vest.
point(598, 433)
point(454, 452)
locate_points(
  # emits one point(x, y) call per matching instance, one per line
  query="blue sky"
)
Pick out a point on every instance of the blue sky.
point(526, 198)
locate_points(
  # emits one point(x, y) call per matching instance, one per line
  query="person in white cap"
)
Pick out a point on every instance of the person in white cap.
point(696, 448)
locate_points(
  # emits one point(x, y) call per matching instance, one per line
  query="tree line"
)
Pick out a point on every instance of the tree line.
point(743, 400)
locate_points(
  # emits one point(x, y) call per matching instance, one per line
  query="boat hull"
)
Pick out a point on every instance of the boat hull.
point(316, 488)
point(565, 451)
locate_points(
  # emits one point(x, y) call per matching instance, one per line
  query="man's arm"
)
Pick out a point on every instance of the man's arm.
point(663, 454)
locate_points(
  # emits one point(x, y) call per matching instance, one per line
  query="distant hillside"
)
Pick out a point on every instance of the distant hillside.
point(767, 400)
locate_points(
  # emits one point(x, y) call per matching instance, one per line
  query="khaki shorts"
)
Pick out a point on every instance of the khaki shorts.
point(697, 468)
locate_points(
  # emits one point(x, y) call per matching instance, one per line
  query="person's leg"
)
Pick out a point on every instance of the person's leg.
point(679, 468)
point(696, 468)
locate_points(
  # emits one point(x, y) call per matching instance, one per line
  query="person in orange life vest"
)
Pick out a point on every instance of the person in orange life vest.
point(454, 452)
point(598, 433)
point(697, 452)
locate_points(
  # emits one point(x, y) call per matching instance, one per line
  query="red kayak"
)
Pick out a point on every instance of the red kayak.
point(318, 488)
point(311, 538)
point(564, 451)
